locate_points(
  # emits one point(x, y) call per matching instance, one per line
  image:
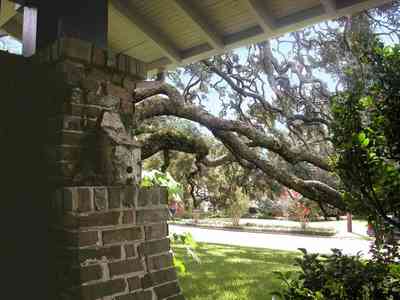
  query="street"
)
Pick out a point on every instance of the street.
point(275, 241)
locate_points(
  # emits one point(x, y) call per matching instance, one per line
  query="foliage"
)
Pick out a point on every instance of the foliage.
point(238, 204)
point(155, 177)
point(366, 134)
point(340, 277)
point(231, 272)
point(186, 242)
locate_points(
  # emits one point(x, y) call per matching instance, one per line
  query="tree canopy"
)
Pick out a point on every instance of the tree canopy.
point(276, 115)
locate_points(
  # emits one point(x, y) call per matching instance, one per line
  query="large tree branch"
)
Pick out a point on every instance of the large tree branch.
point(312, 189)
point(225, 131)
point(173, 140)
point(165, 140)
point(174, 105)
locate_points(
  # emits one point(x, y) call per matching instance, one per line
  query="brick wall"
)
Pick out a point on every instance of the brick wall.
point(70, 235)
point(113, 243)
point(92, 79)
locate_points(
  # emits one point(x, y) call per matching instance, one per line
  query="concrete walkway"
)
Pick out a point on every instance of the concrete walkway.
point(275, 241)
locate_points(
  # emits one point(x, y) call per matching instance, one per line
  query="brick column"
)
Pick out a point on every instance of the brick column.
point(113, 243)
point(89, 239)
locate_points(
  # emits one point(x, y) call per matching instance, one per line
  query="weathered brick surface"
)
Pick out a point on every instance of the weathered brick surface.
point(114, 197)
point(85, 199)
point(130, 250)
point(130, 196)
point(125, 267)
point(129, 217)
point(90, 273)
point(156, 231)
point(157, 278)
point(167, 290)
point(95, 233)
point(81, 239)
point(134, 283)
point(100, 198)
point(101, 289)
point(97, 254)
point(154, 247)
point(113, 241)
point(122, 235)
point(152, 215)
point(92, 220)
point(159, 262)
point(143, 295)
point(148, 196)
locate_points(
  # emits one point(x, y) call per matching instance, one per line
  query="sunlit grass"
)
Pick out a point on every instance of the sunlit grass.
point(233, 273)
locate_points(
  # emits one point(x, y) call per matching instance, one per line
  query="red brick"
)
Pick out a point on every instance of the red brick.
point(125, 266)
point(128, 217)
point(122, 235)
point(134, 283)
point(110, 253)
point(92, 220)
point(159, 277)
point(167, 290)
point(90, 273)
point(154, 247)
point(81, 239)
point(130, 195)
point(156, 231)
point(151, 216)
point(85, 199)
point(101, 289)
point(114, 197)
point(100, 198)
point(159, 262)
point(143, 295)
point(130, 250)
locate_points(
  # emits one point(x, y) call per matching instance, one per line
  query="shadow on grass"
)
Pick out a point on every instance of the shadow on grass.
point(233, 273)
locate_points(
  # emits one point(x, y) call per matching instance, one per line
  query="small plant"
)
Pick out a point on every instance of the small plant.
point(155, 177)
point(190, 245)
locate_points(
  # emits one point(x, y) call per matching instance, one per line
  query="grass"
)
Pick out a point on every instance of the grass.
point(233, 273)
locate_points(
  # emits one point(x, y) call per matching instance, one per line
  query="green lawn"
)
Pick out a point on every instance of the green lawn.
point(233, 273)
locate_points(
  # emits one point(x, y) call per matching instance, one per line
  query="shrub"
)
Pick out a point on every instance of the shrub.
point(340, 277)
point(366, 136)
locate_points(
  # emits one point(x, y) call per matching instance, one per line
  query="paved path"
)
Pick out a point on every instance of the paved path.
point(274, 241)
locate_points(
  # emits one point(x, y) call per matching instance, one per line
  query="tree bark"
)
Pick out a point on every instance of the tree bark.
point(229, 132)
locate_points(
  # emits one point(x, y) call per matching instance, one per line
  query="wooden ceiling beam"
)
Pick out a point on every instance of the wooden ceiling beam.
point(264, 19)
point(210, 33)
point(125, 8)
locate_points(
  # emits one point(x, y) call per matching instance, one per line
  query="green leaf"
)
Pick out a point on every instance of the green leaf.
point(366, 101)
point(361, 136)
point(365, 142)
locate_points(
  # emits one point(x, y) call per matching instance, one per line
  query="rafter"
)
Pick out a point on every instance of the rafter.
point(201, 23)
point(265, 20)
point(329, 6)
point(126, 8)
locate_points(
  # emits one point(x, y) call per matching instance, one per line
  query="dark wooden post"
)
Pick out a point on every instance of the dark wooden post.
point(47, 20)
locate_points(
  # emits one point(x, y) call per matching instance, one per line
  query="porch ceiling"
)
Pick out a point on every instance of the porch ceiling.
point(169, 33)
